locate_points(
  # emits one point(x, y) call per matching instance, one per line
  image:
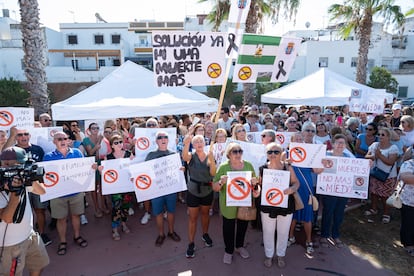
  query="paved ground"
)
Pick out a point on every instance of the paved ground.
point(136, 254)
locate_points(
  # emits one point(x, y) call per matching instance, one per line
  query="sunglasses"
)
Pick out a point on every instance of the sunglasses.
point(162, 137)
point(402, 122)
point(370, 129)
point(107, 132)
point(94, 128)
point(47, 120)
point(310, 130)
point(276, 152)
point(222, 113)
point(240, 130)
point(292, 122)
point(74, 125)
point(382, 134)
point(320, 124)
point(60, 139)
point(22, 134)
point(151, 125)
point(314, 113)
point(263, 136)
point(118, 142)
point(240, 151)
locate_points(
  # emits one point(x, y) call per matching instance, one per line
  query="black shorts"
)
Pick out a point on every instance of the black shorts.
point(195, 201)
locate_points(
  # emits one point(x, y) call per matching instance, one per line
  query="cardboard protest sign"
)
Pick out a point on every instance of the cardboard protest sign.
point(238, 189)
point(158, 177)
point(67, 176)
point(188, 58)
point(116, 176)
point(265, 58)
point(21, 117)
point(145, 141)
point(274, 182)
point(307, 155)
point(239, 9)
point(344, 177)
point(365, 101)
point(43, 137)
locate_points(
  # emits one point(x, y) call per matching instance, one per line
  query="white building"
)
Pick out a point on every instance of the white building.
point(87, 52)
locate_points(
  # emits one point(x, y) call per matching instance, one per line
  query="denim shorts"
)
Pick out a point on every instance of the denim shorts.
point(169, 201)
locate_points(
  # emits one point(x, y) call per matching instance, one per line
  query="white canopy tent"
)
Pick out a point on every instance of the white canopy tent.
point(130, 91)
point(323, 88)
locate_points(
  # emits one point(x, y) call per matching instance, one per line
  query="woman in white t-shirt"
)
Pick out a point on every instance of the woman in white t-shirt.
point(407, 210)
point(322, 136)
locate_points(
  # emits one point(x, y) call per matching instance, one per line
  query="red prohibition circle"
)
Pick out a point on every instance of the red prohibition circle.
point(143, 143)
point(143, 182)
point(297, 154)
point(274, 194)
point(52, 179)
point(359, 181)
point(280, 138)
point(237, 183)
point(110, 176)
point(6, 118)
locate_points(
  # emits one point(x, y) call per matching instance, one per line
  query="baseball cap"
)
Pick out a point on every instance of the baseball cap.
point(14, 153)
point(396, 106)
point(328, 112)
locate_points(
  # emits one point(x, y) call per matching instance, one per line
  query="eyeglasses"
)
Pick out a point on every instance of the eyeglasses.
point(382, 134)
point(263, 135)
point(310, 130)
point(94, 128)
point(240, 130)
point(370, 129)
point(268, 118)
point(240, 151)
point(22, 134)
point(60, 139)
point(314, 113)
point(151, 125)
point(118, 142)
point(162, 137)
point(276, 152)
point(47, 120)
point(292, 122)
point(320, 124)
point(107, 132)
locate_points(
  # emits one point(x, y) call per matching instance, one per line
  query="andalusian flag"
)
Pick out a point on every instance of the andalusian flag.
point(259, 58)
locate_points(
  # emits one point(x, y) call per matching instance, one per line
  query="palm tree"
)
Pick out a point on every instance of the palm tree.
point(259, 10)
point(34, 56)
point(358, 16)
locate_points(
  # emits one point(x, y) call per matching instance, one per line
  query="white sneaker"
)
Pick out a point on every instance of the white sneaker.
point(145, 218)
point(131, 211)
point(83, 220)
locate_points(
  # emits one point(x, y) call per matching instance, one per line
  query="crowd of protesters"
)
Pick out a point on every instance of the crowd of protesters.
point(386, 139)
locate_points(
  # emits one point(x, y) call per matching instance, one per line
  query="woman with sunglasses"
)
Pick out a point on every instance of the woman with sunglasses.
point(120, 202)
point(385, 155)
point(364, 140)
point(239, 133)
point(277, 218)
point(233, 242)
point(322, 135)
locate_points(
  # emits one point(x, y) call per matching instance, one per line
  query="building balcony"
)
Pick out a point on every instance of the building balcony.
point(18, 43)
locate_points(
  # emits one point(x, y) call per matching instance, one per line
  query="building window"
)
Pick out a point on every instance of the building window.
point(402, 91)
point(101, 62)
point(341, 59)
point(323, 62)
point(72, 39)
point(99, 39)
point(116, 39)
point(354, 62)
point(116, 62)
point(75, 64)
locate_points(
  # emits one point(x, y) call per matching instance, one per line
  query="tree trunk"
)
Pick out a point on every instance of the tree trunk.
point(34, 56)
point(364, 41)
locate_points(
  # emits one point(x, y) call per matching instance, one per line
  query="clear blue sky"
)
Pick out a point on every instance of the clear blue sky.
point(53, 12)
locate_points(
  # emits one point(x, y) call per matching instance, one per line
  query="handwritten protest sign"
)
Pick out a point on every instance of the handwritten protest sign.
point(274, 182)
point(265, 58)
point(344, 177)
point(188, 58)
point(253, 153)
point(67, 176)
point(365, 101)
point(116, 176)
point(145, 141)
point(238, 189)
point(43, 137)
point(219, 150)
point(21, 117)
point(158, 177)
point(307, 155)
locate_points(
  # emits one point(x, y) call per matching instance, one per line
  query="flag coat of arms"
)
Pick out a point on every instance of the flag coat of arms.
point(239, 9)
point(262, 59)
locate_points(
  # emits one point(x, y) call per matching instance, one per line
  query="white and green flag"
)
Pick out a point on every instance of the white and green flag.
point(265, 58)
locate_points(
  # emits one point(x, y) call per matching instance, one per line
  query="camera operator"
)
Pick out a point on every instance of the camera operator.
point(20, 245)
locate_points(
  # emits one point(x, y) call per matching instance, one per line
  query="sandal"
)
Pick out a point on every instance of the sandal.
point(80, 241)
point(116, 236)
point(370, 212)
point(386, 219)
point(324, 242)
point(125, 229)
point(62, 247)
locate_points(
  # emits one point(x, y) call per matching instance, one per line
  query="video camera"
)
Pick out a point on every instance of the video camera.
point(27, 173)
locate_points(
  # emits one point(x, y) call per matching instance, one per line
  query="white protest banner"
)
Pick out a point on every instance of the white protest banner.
point(21, 117)
point(274, 182)
point(43, 137)
point(158, 177)
point(265, 58)
point(344, 177)
point(239, 9)
point(307, 155)
point(115, 176)
point(254, 137)
point(67, 176)
point(253, 153)
point(145, 141)
point(365, 101)
point(238, 189)
point(283, 138)
point(233, 41)
point(188, 58)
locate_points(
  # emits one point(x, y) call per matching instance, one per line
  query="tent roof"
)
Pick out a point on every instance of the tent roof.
point(322, 88)
point(130, 91)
